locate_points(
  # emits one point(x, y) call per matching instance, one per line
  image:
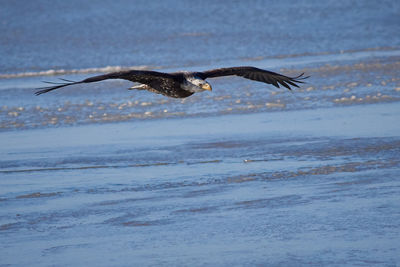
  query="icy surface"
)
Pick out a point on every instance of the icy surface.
point(311, 187)
point(245, 175)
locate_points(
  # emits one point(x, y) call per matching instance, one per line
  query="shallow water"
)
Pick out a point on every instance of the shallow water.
point(233, 189)
point(244, 175)
point(337, 80)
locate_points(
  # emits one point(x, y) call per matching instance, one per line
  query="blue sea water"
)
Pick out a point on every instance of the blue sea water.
point(44, 35)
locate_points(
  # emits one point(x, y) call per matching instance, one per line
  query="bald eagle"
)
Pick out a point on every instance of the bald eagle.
point(183, 84)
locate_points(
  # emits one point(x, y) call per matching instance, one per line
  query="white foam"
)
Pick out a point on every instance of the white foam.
point(73, 71)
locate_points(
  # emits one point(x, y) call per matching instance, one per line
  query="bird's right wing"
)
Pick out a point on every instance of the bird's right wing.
point(151, 78)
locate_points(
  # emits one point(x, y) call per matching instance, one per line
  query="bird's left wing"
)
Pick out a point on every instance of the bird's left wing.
point(255, 74)
point(141, 76)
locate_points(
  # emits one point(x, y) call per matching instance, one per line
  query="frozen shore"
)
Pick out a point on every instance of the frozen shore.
point(312, 187)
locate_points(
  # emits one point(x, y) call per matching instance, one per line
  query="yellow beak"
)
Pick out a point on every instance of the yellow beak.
point(206, 86)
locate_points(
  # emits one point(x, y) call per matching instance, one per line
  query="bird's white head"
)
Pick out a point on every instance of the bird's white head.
point(194, 85)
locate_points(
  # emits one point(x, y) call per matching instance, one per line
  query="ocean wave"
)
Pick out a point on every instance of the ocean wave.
point(53, 72)
point(279, 59)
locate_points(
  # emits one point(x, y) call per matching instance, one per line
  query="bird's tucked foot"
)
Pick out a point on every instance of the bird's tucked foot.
point(139, 87)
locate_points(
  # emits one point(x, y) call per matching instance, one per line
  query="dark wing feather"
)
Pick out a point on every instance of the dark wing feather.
point(152, 78)
point(255, 74)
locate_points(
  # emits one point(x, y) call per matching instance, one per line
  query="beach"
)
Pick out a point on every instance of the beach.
point(244, 175)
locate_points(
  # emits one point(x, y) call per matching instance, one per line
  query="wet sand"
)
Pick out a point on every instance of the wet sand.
point(311, 187)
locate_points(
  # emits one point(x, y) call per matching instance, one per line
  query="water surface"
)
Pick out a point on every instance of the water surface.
point(244, 175)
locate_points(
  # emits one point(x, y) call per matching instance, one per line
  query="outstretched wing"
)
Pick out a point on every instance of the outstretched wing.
point(255, 74)
point(151, 78)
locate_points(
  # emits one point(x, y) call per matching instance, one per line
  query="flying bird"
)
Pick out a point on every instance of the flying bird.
point(183, 84)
